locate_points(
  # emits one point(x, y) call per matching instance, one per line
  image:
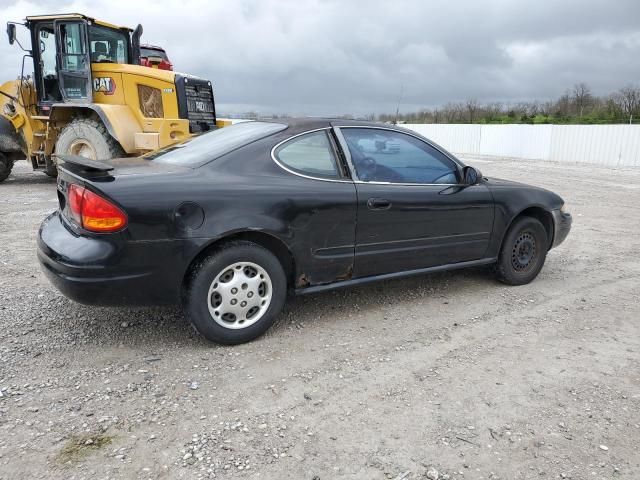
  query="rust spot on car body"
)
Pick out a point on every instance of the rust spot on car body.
point(302, 281)
point(346, 275)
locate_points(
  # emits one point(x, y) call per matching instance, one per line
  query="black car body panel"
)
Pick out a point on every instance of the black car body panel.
point(329, 231)
point(424, 226)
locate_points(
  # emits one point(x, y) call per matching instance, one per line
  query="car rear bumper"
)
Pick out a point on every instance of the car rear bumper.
point(101, 271)
point(561, 226)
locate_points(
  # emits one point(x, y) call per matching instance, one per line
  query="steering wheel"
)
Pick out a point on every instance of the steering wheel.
point(371, 171)
point(367, 168)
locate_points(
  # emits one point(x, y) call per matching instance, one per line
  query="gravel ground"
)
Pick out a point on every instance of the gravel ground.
point(446, 376)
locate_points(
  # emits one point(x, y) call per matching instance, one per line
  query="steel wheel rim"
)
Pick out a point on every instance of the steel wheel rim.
point(82, 148)
point(524, 252)
point(239, 295)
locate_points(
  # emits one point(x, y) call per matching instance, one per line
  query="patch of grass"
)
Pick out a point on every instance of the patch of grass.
point(78, 447)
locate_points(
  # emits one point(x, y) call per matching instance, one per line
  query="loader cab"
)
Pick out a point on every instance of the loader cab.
point(64, 47)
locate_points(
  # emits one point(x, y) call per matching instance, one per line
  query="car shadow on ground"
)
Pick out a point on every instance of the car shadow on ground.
point(28, 179)
point(168, 327)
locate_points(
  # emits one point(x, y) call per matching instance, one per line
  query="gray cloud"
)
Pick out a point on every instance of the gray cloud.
point(333, 57)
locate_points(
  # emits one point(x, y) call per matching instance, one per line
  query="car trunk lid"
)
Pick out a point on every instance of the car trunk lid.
point(129, 184)
point(90, 169)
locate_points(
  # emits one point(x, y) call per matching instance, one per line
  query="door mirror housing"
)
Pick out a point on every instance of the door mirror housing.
point(11, 33)
point(471, 175)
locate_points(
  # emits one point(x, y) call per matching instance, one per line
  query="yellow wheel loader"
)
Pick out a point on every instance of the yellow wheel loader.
point(89, 96)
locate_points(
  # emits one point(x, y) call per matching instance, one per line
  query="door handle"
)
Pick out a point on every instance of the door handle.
point(378, 204)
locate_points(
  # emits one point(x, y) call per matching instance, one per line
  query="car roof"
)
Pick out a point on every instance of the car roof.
point(311, 123)
point(151, 47)
point(73, 16)
point(303, 124)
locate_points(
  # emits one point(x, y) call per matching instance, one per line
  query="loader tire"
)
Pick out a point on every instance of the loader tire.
point(88, 138)
point(51, 171)
point(6, 164)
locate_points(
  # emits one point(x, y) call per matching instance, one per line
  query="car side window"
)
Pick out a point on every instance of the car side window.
point(309, 154)
point(388, 156)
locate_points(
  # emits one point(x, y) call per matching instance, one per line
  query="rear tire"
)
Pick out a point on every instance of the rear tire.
point(51, 170)
point(235, 294)
point(6, 165)
point(523, 252)
point(88, 138)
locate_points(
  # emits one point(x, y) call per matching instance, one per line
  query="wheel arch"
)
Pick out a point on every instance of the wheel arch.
point(267, 240)
point(119, 121)
point(538, 212)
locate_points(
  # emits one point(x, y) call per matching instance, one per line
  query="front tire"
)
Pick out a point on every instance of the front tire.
point(87, 137)
point(235, 294)
point(523, 252)
point(6, 165)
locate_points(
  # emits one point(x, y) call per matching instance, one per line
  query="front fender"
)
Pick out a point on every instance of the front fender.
point(119, 120)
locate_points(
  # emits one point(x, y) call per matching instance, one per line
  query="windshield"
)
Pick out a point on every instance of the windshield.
point(211, 145)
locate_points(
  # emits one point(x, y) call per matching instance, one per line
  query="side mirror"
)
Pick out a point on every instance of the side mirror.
point(472, 176)
point(11, 33)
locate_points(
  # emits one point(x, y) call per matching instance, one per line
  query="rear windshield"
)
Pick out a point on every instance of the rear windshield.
point(203, 148)
point(152, 52)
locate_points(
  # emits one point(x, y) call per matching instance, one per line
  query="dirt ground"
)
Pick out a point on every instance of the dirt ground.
point(444, 376)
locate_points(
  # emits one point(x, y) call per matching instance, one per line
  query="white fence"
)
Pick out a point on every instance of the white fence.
point(612, 145)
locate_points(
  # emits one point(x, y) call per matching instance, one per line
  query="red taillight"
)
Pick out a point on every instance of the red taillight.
point(93, 212)
point(74, 199)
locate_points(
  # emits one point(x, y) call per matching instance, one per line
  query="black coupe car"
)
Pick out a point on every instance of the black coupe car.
point(228, 222)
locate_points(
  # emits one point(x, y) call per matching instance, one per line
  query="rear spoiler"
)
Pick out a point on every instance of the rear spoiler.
point(86, 163)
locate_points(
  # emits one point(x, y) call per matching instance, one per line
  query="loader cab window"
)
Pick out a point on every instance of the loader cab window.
point(49, 88)
point(108, 45)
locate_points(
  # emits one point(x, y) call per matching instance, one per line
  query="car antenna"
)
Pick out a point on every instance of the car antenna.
point(395, 122)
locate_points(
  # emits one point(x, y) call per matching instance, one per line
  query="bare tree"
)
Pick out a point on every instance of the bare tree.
point(493, 110)
point(581, 97)
point(472, 108)
point(562, 105)
point(436, 115)
point(449, 112)
point(628, 99)
point(546, 108)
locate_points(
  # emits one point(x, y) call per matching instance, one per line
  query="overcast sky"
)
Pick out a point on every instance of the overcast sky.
point(325, 57)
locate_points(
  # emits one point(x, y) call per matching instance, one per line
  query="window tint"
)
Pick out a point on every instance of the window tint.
point(209, 146)
point(388, 156)
point(309, 154)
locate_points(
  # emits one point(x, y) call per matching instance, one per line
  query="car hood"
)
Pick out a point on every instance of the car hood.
point(537, 195)
point(497, 182)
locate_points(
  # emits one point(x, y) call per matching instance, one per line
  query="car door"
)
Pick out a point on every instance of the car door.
point(413, 212)
point(74, 65)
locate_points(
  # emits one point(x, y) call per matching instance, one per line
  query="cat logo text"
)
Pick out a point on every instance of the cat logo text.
point(104, 85)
